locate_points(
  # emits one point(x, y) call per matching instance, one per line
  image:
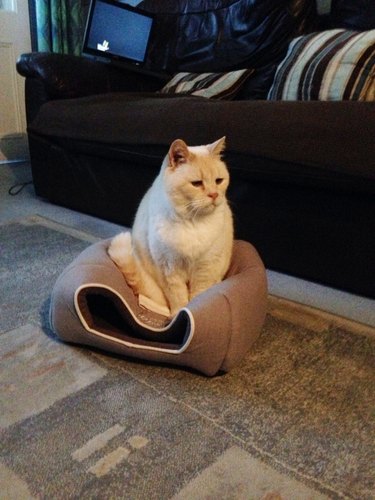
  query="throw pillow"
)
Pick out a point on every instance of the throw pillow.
point(209, 85)
point(332, 65)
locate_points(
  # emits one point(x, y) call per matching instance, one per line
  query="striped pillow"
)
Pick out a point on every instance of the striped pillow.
point(332, 65)
point(210, 85)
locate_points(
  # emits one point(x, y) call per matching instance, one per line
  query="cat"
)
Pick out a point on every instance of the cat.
point(182, 237)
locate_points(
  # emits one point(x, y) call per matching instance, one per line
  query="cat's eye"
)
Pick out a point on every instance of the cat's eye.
point(219, 180)
point(197, 183)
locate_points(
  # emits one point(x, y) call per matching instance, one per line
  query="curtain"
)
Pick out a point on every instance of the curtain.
point(59, 26)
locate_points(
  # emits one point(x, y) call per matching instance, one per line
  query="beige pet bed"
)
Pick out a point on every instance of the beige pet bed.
point(91, 304)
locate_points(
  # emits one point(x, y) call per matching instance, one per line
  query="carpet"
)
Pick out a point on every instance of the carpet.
point(295, 420)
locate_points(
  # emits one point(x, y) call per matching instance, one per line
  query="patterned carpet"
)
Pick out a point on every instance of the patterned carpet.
point(294, 421)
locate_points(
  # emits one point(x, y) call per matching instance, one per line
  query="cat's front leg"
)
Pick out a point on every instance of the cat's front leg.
point(177, 293)
point(201, 280)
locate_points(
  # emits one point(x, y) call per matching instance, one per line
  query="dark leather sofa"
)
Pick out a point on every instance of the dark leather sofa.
point(302, 172)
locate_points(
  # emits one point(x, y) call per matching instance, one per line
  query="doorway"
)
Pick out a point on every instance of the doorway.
point(14, 40)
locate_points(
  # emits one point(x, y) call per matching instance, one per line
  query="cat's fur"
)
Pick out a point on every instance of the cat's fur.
point(182, 237)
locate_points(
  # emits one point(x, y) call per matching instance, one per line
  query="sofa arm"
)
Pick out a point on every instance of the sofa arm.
point(60, 76)
point(67, 76)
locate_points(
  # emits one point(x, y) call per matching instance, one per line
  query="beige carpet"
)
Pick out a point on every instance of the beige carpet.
point(295, 420)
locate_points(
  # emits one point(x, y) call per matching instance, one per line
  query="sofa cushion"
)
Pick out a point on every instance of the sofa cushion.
point(352, 14)
point(219, 35)
point(273, 138)
point(332, 65)
point(209, 85)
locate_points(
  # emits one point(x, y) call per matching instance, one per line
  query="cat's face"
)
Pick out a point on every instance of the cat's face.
point(196, 179)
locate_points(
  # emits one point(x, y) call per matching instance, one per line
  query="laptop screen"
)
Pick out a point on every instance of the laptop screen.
point(117, 31)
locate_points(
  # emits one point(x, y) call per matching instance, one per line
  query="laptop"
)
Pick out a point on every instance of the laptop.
point(120, 34)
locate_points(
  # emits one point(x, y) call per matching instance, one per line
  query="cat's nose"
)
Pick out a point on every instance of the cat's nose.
point(213, 195)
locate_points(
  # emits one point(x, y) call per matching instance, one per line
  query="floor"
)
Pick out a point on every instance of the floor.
point(25, 203)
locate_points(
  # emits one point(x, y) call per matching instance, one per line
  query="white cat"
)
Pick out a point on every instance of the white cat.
point(182, 237)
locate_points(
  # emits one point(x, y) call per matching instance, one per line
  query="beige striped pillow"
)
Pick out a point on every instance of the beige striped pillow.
point(209, 85)
point(332, 65)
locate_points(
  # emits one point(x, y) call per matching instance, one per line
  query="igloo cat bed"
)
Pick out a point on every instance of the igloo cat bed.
point(91, 304)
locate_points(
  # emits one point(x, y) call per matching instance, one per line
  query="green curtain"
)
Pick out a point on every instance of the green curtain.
point(59, 26)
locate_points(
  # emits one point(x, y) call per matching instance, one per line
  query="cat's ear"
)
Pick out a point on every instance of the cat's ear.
point(178, 153)
point(217, 147)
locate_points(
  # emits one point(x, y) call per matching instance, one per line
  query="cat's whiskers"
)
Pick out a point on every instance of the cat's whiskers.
point(193, 207)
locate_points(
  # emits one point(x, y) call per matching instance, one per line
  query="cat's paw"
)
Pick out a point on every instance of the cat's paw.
point(120, 249)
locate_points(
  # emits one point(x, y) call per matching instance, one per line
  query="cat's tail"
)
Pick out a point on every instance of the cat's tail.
point(121, 252)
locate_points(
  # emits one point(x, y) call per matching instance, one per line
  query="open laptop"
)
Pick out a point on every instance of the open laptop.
point(118, 33)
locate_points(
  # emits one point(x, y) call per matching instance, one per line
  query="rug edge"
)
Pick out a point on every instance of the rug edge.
point(313, 318)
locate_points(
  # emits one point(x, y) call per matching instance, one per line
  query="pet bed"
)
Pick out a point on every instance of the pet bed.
point(91, 304)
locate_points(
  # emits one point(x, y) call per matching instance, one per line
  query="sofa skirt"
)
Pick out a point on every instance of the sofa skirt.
point(306, 227)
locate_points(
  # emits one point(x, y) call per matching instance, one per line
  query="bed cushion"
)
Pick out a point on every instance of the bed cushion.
point(91, 304)
point(333, 65)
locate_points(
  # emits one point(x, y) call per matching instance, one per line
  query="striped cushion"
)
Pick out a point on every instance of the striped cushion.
point(332, 65)
point(210, 85)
